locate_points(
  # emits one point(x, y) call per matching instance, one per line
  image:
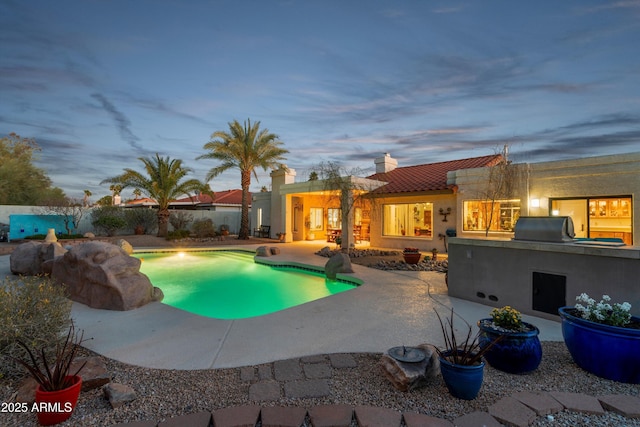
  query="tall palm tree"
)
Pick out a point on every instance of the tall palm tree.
point(163, 183)
point(245, 147)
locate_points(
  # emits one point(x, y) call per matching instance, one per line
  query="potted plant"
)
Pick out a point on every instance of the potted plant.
point(58, 389)
point(603, 338)
point(519, 351)
point(307, 226)
point(281, 237)
point(224, 230)
point(411, 255)
point(462, 364)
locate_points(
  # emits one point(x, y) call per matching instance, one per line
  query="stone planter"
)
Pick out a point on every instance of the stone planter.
point(609, 352)
point(516, 352)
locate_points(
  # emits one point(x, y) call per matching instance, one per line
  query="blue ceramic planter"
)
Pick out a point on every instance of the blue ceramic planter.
point(463, 382)
point(516, 352)
point(609, 352)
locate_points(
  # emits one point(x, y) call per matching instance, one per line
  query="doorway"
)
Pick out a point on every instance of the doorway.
point(577, 210)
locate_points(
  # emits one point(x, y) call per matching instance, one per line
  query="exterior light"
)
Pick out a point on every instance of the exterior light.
point(535, 203)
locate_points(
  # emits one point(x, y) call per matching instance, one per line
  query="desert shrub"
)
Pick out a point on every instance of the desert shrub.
point(204, 228)
point(145, 218)
point(180, 220)
point(177, 234)
point(34, 310)
point(108, 219)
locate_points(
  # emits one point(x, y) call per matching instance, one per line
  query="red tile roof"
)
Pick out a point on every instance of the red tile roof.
point(428, 177)
point(228, 197)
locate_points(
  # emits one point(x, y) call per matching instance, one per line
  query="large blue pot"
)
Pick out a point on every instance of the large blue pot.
point(516, 352)
point(463, 382)
point(610, 352)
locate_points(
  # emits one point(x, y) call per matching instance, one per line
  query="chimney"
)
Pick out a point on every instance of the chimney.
point(385, 164)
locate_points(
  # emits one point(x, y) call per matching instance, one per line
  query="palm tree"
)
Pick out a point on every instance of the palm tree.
point(245, 147)
point(163, 183)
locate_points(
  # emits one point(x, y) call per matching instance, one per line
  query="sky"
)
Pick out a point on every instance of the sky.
point(100, 84)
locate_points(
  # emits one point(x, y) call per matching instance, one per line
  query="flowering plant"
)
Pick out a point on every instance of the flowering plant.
point(411, 250)
point(507, 318)
point(603, 312)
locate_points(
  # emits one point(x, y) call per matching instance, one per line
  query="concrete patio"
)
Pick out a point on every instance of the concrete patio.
point(391, 308)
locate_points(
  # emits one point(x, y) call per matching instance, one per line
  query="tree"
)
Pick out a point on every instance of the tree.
point(350, 191)
point(501, 180)
point(21, 183)
point(245, 147)
point(163, 182)
point(71, 211)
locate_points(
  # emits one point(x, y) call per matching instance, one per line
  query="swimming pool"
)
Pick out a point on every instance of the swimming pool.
point(230, 285)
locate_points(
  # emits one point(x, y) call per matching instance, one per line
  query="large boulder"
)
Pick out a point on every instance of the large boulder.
point(28, 258)
point(339, 263)
point(102, 275)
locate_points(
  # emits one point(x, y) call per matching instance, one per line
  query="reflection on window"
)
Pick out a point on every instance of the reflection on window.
point(334, 218)
point(411, 219)
point(316, 216)
point(499, 215)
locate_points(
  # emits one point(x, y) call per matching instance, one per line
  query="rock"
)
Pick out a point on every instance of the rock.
point(409, 376)
point(94, 374)
point(102, 275)
point(119, 394)
point(89, 235)
point(27, 391)
point(339, 263)
point(124, 245)
point(263, 251)
point(275, 251)
point(27, 258)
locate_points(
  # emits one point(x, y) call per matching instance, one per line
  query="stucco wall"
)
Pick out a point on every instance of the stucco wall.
point(499, 273)
point(231, 218)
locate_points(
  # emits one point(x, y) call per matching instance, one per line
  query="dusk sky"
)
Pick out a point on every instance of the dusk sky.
point(99, 84)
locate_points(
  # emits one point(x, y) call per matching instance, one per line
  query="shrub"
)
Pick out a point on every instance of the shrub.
point(145, 218)
point(108, 219)
point(177, 234)
point(180, 220)
point(204, 228)
point(33, 310)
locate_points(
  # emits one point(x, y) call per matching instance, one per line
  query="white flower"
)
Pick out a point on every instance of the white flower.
point(625, 306)
point(606, 298)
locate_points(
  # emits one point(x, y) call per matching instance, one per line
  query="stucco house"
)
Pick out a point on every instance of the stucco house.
point(421, 205)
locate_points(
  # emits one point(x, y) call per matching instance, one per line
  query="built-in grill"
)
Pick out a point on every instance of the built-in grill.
point(555, 229)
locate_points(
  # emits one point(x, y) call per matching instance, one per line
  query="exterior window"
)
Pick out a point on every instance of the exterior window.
point(410, 219)
point(499, 215)
point(316, 216)
point(334, 218)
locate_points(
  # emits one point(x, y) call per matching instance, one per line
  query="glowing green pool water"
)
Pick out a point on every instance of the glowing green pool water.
point(230, 285)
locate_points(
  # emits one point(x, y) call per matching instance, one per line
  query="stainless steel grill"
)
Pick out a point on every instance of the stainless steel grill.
point(556, 229)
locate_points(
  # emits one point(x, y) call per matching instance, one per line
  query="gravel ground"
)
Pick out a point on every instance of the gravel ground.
point(166, 393)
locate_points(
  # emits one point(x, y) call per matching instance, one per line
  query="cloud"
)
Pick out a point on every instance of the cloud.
point(123, 124)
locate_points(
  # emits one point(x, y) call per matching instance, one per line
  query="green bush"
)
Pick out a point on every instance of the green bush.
point(34, 310)
point(204, 228)
point(145, 218)
point(108, 219)
point(177, 234)
point(180, 220)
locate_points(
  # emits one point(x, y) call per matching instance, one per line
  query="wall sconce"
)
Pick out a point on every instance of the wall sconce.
point(445, 213)
point(535, 203)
